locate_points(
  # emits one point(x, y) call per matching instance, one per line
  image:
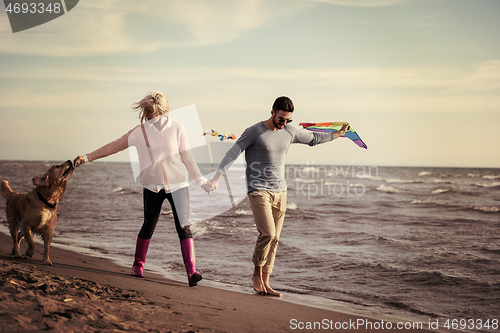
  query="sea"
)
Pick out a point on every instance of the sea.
point(409, 243)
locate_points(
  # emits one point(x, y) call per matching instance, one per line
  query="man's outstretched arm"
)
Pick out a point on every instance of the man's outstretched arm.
point(316, 138)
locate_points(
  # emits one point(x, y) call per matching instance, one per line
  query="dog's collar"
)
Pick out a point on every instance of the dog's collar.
point(42, 199)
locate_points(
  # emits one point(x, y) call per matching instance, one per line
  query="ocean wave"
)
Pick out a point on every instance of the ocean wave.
point(383, 239)
point(424, 173)
point(222, 228)
point(441, 190)
point(389, 204)
point(432, 278)
point(421, 202)
point(463, 220)
point(494, 184)
point(476, 175)
point(442, 181)
point(443, 281)
point(491, 177)
point(403, 181)
point(199, 230)
point(207, 228)
point(406, 307)
point(368, 176)
point(309, 217)
point(243, 212)
point(127, 190)
point(291, 206)
point(389, 189)
point(295, 291)
point(367, 268)
point(473, 175)
point(485, 209)
point(433, 204)
point(488, 250)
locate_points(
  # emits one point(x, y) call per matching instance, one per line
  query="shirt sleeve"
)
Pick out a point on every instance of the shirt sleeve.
point(111, 148)
point(311, 138)
point(243, 142)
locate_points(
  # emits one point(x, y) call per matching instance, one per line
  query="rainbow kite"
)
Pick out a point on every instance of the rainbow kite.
point(221, 136)
point(334, 127)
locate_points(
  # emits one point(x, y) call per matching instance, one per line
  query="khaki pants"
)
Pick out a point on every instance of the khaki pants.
point(269, 212)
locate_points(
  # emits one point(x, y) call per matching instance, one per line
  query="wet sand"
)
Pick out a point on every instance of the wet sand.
point(81, 293)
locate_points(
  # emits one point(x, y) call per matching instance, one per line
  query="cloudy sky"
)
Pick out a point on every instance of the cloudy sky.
point(419, 80)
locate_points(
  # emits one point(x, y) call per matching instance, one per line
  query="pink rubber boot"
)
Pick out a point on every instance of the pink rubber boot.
point(187, 249)
point(141, 249)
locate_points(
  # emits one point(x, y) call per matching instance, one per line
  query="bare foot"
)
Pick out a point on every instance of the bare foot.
point(258, 285)
point(269, 291)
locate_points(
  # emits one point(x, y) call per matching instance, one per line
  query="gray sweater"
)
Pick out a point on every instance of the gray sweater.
point(265, 154)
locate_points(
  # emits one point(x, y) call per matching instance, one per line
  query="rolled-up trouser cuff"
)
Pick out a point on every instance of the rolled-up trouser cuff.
point(268, 269)
point(258, 263)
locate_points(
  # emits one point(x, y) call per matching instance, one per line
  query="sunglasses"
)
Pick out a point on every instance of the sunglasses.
point(284, 121)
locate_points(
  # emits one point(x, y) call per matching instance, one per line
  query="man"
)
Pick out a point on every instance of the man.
point(265, 145)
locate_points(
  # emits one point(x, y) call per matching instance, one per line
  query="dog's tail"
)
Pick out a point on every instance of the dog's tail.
point(6, 191)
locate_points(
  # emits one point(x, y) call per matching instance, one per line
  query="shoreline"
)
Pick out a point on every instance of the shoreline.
point(180, 308)
point(295, 297)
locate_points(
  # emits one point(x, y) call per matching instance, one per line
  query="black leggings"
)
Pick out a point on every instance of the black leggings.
point(179, 201)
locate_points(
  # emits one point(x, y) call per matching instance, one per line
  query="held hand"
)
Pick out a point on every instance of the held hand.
point(78, 161)
point(344, 129)
point(212, 185)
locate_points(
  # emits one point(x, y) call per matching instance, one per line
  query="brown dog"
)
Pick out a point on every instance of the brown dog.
point(36, 211)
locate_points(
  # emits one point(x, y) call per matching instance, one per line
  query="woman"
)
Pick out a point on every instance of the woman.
point(164, 155)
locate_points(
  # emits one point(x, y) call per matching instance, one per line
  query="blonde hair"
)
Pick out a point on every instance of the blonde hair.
point(152, 105)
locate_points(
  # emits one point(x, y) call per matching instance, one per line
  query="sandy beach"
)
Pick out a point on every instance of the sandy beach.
point(80, 293)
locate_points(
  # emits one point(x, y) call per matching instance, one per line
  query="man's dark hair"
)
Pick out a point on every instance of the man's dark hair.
point(283, 103)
